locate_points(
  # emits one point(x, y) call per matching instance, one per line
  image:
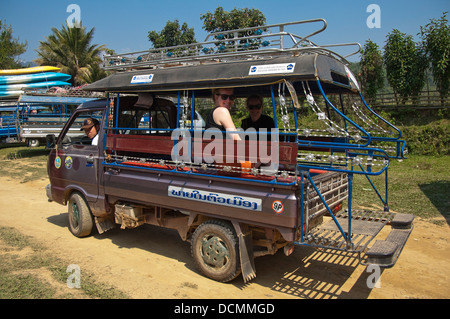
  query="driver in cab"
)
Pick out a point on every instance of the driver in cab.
point(91, 127)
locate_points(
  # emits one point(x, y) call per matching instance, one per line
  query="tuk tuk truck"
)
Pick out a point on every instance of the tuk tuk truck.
point(234, 200)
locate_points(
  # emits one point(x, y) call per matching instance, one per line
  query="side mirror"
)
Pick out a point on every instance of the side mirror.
point(50, 141)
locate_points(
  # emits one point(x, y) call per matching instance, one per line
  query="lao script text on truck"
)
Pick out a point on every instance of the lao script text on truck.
point(233, 200)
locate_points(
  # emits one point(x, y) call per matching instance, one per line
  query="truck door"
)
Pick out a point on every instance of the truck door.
point(75, 161)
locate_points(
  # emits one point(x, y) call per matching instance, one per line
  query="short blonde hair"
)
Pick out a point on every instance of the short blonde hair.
point(217, 90)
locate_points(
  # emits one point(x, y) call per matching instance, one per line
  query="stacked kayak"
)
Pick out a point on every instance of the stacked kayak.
point(13, 82)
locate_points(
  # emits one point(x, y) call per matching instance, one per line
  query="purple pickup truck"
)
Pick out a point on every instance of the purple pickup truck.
point(233, 199)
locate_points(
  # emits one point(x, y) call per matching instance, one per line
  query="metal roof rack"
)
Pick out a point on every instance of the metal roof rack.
point(62, 92)
point(241, 44)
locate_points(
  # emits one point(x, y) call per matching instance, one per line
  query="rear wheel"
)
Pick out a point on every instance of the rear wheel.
point(80, 218)
point(215, 249)
point(33, 143)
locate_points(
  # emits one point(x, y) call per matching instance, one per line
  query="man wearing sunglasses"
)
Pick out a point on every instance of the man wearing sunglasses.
point(220, 117)
point(256, 119)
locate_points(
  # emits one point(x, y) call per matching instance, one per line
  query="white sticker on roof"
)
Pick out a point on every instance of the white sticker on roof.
point(271, 68)
point(141, 79)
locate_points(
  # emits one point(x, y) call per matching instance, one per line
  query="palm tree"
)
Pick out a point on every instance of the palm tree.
point(92, 73)
point(70, 49)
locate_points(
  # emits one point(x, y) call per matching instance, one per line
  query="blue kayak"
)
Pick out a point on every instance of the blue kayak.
point(35, 77)
point(38, 85)
point(10, 94)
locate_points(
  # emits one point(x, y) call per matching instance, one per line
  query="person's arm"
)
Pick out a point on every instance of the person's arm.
point(223, 117)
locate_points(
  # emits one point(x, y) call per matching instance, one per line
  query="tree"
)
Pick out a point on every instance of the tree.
point(372, 73)
point(172, 35)
point(92, 73)
point(71, 50)
point(436, 45)
point(222, 20)
point(10, 48)
point(405, 69)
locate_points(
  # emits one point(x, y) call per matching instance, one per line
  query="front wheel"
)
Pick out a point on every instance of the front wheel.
point(33, 143)
point(80, 218)
point(215, 249)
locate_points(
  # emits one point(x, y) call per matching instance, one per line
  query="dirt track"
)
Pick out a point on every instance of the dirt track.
point(150, 262)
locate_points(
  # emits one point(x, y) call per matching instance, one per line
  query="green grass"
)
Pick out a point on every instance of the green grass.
point(23, 164)
point(419, 185)
point(21, 261)
point(430, 139)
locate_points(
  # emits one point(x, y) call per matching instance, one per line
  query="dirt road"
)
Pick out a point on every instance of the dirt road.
point(150, 262)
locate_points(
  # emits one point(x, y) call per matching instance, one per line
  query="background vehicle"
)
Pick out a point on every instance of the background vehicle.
point(8, 129)
point(40, 115)
point(249, 198)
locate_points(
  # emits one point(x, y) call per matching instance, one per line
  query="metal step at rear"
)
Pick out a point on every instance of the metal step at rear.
point(386, 252)
point(402, 221)
point(364, 225)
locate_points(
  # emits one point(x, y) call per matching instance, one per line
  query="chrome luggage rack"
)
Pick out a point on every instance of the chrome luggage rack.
point(240, 44)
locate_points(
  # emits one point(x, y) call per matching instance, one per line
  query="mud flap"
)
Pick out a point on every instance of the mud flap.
point(245, 252)
point(247, 258)
point(104, 224)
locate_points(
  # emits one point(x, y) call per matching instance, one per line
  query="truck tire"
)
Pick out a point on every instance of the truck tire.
point(215, 249)
point(80, 218)
point(32, 142)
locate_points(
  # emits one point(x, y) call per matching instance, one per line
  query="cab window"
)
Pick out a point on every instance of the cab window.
point(75, 134)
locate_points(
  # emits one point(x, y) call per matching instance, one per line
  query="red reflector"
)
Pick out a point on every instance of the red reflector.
point(337, 208)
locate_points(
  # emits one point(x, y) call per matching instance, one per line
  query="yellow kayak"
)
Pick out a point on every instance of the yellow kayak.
point(35, 69)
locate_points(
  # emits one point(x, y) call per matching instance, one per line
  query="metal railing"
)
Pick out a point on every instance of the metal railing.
point(240, 44)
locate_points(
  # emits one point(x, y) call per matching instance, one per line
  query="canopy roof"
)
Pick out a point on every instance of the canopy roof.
point(333, 74)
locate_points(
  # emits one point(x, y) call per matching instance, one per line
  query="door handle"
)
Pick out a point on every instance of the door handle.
point(113, 171)
point(90, 159)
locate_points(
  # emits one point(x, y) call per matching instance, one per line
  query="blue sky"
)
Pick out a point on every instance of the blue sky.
point(123, 25)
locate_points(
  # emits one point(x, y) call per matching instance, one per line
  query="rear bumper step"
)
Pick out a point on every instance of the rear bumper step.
point(386, 252)
point(365, 226)
point(402, 221)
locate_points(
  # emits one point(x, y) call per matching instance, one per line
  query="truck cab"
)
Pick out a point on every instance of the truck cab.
point(234, 200)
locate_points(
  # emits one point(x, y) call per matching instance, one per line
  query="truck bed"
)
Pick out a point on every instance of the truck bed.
point(244, 199)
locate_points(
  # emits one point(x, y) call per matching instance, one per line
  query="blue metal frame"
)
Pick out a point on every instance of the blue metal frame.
point(303, 168)
point(358, 149)
point(367, 137)
point(329, 210)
